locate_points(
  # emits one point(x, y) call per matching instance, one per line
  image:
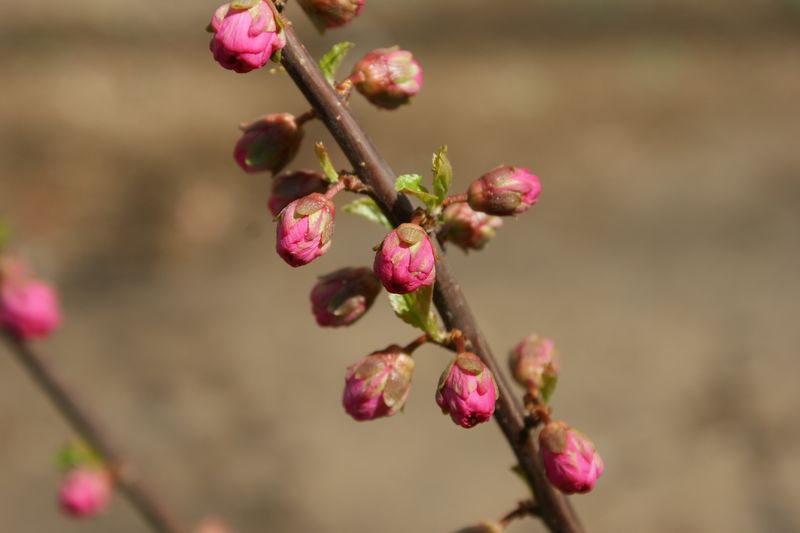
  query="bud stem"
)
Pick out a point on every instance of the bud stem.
point(454, 199)
point(334, 189)
point(457, 339)
point(524, 508)
point(416, 343)
point(305, 117)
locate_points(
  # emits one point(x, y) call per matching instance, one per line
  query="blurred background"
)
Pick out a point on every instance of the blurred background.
point(663, 258)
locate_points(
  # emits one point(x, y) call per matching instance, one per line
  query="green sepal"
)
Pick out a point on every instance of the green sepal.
point(329, 63)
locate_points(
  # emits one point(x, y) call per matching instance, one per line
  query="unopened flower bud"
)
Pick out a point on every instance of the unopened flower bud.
point(245, 35)
point(84, 492)
point(467, 391)
point(305, 229)
point(483, 527)
point(466, 228)
point(331, 13)
point(342, 297)
point(504, 191)
point(293, 185)
point(534, 361)
point(388, 77)
point(29, 308)
point(405, 260)
point(378, 384)
point(571, 462)
point(268, 143)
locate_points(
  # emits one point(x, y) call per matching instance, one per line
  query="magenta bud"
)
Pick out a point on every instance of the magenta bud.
point(406, 260)
point(29, 309)
point(467, 391)
point(388, 77)
point(466, 228)
point(268, 143)
point(534, 361)
point(342, 297)
point(504, 191)
point(293, 185)
point(571, 462)
point(331, 13)
point(246, 35)
point(305, 229)
point(84, 492)
point(378, 384)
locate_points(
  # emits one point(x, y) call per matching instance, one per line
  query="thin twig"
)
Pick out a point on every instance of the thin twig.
point(125, 474)
point(453, 307)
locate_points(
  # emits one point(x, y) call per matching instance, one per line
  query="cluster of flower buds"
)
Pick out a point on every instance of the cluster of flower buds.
point(405, 260)
point(342, 297)
point(504, 191)
point(84, 492)
point(269, 143)
point(387, 77)
point(570, 460)
point(326, 14)
point(377, 385)
point(467, 391)
point(29, 308)
point(246, 35)
point(305, 229)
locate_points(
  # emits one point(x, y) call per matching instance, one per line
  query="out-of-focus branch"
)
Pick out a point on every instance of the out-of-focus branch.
point(125, 474)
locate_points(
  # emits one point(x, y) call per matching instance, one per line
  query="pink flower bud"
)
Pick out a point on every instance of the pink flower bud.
point(268, 143)
point(534, 360)
point(570, 460)
point(504, 191)
point(331, 13)
point(294, 185)
point(245, 35)
point(467, 391)
point(84, 492)
point(406, 260)
point(466, 228)
point(388, 77)
point(29, 308)
point(342, 297)
point(305, 229)
point(378, 385)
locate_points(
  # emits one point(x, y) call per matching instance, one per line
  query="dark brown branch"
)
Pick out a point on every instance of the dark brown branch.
point(375, 172)
point(125, 474)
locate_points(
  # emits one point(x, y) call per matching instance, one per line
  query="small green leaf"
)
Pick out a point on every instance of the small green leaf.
point(330, 62)
point(367, 208)
point(442, 174)
point(549, 381)
point(331, 176)
point(415, 309)
point(410, 184)
point(76, 454)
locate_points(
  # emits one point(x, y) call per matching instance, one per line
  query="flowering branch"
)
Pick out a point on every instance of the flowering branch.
point(375, 172)
point(125, 474)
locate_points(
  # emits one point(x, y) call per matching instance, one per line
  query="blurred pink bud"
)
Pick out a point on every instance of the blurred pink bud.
point(483, 527)
point(305, 229)
point(504, 191)
point(268, 143)
point(388, 77)
point(406, 260)
point(293, 185)
point(212, 525)
point(331, 13)
point(534, 360)
point(29, 308)
point(245, 35)
point(570, 460)
point(466, 228)
point(467, 391)
point(84, 492)
point(378, 384)
point(342, 297)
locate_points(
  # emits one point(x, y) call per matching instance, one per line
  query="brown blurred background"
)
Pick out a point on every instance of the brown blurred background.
point(663, 258)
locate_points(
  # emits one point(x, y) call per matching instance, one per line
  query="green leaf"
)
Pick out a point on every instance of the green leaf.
point(549, 381)
point(410, 184)
point(442, 174)
point(330, 62)
point(415, 309)
point(76, 454)
point(367, 208)
point(331, 176)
